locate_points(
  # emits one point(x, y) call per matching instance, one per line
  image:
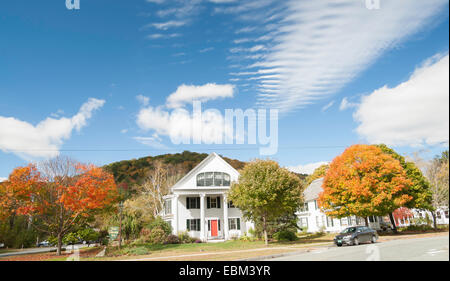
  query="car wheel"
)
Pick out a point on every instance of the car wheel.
point(356, 242)
point(339, 245)
point(374, 239)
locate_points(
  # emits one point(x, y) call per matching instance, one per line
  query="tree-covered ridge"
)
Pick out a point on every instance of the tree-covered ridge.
point(135, 171)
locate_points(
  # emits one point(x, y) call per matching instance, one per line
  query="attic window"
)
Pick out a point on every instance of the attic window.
point(213, 179)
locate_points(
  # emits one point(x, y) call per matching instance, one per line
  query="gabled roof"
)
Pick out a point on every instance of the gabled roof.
point(313, 190)
point(199, 167)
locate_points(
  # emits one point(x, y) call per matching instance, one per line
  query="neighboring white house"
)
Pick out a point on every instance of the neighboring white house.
point(314, 220)
point(198, 202)
point(441, 216)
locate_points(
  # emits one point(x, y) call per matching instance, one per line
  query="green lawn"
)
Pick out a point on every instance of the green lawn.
point(146, 249)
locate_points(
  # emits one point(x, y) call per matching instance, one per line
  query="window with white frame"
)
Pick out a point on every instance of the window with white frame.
point(234, 224)
point(192, 202)
point(304, 207)
point(330, 222)
point(231, 205)
point(303, 222)
point(193, 224)
point(213, 202)
point(168, 207)
point(213, 179)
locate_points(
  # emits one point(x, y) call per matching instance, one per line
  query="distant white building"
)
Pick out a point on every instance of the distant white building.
point(198, 203)
point(314, 220)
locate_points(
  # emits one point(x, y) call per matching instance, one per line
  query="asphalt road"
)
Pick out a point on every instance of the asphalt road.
point(39, 250)
point(415, 249)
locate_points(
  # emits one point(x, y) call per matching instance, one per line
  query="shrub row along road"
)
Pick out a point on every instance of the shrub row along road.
point(415, 249)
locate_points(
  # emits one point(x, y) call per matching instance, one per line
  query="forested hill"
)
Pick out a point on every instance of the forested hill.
point(135, 171)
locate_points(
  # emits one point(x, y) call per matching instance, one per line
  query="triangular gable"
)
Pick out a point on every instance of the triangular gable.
point(199, 167)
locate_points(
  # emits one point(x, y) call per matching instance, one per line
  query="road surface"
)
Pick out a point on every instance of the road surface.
point(40, 250)
point(413, 249)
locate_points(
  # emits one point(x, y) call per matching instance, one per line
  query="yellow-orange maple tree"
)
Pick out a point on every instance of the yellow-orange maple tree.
point(363, 181)
point(62, 194)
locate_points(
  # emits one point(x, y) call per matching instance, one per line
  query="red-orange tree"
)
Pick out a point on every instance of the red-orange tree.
point(60, 194)
point(364, 181)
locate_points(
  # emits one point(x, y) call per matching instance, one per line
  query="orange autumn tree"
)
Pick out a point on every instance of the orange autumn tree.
point(363, 182)
point(60, 193)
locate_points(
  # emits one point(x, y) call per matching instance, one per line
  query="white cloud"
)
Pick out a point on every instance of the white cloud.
point(187, 93)
point(166, 25)
point(317, 47)
point(3, 179)
point(206, 49)
point(345, 104)
point(150, 141)
point(180, 124)
point(163, 36)
point(415, 112)
point(46, 138)
point(143, 100)
point(307, 168)
point(222, 1)
point(327, 106)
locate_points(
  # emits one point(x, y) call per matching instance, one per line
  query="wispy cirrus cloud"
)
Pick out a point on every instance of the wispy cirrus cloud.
point(316, 47)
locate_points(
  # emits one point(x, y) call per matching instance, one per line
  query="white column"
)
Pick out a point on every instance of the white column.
point(225, 217)
point(175, 214)
point(202, 218)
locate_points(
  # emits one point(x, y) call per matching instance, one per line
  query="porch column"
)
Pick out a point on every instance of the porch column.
point(225, 216)
point(175, 214)
point(203, 236)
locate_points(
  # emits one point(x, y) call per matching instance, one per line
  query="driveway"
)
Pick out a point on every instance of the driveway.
point(414, 249)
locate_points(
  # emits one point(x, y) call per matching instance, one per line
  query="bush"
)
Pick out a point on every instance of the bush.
point(161, 224)
point(285, 235)
point(185, 238)
point(172, 239)
point(198, 241)
point(246, 238)
point(412, 227)
point(157, 236)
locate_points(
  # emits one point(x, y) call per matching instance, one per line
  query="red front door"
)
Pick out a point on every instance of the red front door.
point(214, 231)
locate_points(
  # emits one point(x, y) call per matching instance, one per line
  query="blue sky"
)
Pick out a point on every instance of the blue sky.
point(338, 72)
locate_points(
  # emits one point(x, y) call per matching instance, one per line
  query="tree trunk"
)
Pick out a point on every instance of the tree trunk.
point(394, 227)
point(433, 214)
point(59, 246)
point(367, 221)
point(266, 240)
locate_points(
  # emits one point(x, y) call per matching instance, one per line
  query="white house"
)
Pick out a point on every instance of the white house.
point(198, 202)
point(314, 220)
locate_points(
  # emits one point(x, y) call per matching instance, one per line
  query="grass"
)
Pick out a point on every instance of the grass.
point(210, 248)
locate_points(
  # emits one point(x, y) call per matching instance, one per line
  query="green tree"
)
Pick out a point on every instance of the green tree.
point(420, 189)
point(266, 192)
point(437, 171)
